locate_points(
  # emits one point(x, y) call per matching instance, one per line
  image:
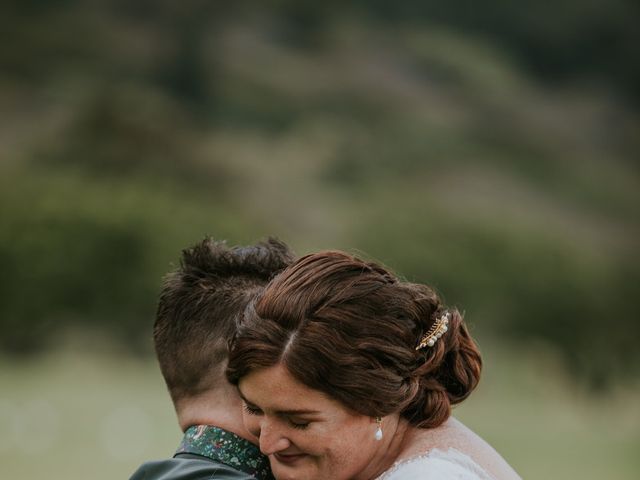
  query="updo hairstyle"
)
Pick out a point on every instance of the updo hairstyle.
point(350, 328)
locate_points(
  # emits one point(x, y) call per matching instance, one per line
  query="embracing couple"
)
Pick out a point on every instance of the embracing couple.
point(323, 368)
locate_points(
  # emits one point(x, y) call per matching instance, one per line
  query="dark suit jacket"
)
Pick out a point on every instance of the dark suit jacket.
point(187, 466)
point(209, 453)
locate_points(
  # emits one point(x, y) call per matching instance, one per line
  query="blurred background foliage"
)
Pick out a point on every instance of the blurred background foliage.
point(490, 150)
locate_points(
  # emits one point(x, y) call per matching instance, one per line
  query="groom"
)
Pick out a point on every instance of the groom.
point(199, 306)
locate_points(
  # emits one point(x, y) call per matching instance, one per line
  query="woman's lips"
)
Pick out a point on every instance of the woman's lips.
point(288, 458)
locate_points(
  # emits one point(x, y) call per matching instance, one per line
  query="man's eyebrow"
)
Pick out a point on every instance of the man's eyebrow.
point(283, 412)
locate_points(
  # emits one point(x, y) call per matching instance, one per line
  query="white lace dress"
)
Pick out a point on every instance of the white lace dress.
point(437, 465)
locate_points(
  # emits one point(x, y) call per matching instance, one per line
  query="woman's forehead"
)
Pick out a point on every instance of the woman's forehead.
point(274, 388)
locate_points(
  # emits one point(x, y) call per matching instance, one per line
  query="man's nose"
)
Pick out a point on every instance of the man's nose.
point(272, 439)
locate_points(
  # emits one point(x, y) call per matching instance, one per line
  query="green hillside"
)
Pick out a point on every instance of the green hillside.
point(128, 134)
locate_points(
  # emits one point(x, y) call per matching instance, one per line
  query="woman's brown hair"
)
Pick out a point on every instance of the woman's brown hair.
point(350, 328)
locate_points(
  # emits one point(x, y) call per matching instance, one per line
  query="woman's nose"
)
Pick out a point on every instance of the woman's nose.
point(271, 438)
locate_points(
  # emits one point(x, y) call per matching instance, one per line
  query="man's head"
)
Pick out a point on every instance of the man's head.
point(199, 306)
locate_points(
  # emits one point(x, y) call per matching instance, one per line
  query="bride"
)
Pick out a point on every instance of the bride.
point(347, 372)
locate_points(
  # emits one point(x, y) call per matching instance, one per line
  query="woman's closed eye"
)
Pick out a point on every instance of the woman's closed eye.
point(293, 421)
point(250, 409)
point(298, 423)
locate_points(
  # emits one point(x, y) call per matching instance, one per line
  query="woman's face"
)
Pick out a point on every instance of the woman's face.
point(306, 434)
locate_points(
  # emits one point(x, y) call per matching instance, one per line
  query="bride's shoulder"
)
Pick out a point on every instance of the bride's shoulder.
point(449, 451)
point(437, 464)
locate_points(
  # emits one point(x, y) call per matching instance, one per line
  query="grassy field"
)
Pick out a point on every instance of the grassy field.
point(78, 415)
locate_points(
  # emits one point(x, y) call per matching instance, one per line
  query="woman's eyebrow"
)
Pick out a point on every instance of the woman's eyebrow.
point(244, 398)
point(298, 412)
point(293, 411)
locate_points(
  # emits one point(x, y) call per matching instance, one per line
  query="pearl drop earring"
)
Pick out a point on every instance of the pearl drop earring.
point(378, 435)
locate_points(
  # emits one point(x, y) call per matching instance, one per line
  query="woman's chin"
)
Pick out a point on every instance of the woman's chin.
point(291, 467)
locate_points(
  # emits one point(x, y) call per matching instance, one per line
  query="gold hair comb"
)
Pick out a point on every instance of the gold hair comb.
point(439, 327)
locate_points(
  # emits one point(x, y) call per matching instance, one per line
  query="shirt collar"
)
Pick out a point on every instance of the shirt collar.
point(225, 447)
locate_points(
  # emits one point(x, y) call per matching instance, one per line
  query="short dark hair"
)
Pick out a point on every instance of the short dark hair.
point(350, 328)
point(199, 305)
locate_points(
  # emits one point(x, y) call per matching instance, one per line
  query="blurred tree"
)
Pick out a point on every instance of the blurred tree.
point(416, 131)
